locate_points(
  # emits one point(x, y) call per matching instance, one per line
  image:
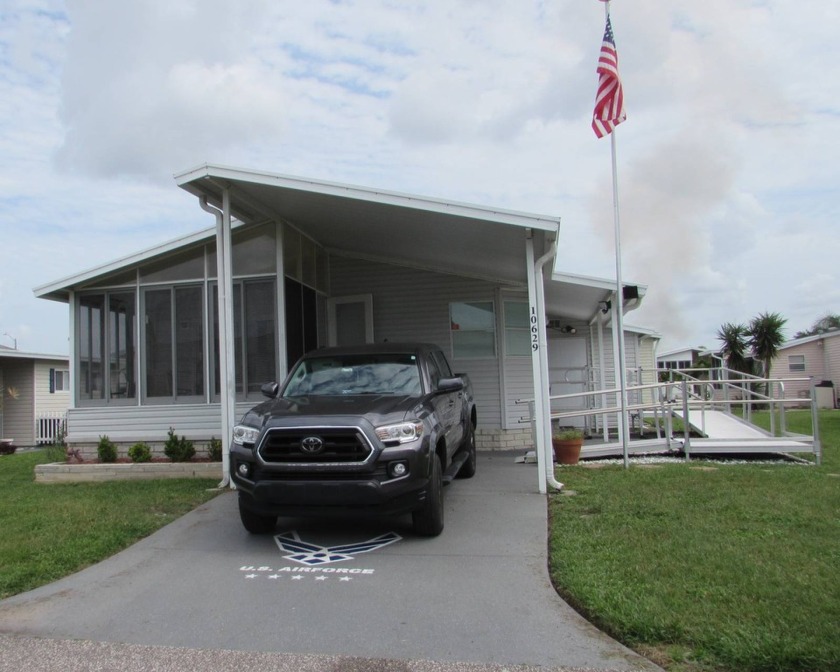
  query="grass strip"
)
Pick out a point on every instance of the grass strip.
point(704, 566)
point(50, 531)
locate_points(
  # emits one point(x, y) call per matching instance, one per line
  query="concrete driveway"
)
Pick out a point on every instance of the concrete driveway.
point(479, 593)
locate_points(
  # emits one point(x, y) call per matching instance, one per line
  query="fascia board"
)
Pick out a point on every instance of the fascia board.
point(191, 181)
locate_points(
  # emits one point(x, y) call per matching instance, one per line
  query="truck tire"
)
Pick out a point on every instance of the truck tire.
point(467, 469)
point(428, 521)
point(254, 522)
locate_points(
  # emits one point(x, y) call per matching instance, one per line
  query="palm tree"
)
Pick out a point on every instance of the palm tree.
point(765, 337)
point(734, 350)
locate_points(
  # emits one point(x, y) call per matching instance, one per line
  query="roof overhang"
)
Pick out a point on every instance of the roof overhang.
point(390, 227)
point(440, 235)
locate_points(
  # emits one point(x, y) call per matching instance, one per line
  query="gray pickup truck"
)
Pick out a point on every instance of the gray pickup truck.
point(374, 428)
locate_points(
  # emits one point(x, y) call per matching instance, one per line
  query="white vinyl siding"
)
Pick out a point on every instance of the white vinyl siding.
point(128, 424)
point(46, 401)
point(519, 384)
point(413, 305)
point(18, 410)
point(814, 365)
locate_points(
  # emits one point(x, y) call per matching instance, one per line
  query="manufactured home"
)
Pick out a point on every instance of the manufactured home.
point(815, 356)
point(183, 334)
point(34, 396)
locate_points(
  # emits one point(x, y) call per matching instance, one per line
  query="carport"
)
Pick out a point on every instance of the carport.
point(510, 249)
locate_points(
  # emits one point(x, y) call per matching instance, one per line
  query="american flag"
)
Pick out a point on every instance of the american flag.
point(609, 101)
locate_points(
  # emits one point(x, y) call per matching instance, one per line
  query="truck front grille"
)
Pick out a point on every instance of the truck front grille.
point(320, 445)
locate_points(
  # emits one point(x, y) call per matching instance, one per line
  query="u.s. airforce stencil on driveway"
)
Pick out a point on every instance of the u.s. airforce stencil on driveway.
point(314, 557)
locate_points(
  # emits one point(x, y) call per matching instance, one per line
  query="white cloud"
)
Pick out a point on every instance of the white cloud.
point(727, 180)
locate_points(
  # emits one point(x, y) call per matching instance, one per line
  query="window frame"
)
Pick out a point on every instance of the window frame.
point(797, 366)
point(240, 334)
point(173, 397)
point(105, 338)
point(492, 330)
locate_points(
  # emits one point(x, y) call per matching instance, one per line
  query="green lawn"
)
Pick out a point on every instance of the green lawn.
point(50, 531)
point(704, 566)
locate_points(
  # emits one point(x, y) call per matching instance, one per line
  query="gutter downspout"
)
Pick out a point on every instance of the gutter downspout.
point(223, 369)
point(539, 360)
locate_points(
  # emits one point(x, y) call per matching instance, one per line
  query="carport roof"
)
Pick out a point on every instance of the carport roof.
point(451, 237)
point(431, 233)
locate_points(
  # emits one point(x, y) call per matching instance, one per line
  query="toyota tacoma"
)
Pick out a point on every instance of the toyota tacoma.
point(373, 428)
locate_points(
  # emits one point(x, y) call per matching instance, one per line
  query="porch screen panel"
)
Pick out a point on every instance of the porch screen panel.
point(260, 333)
point(91, 346)
point(158, 314)
point(189, 342)
point(237, 329)
point(121, 360)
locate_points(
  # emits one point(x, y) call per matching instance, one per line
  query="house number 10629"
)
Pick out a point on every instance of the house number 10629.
point(535, 330)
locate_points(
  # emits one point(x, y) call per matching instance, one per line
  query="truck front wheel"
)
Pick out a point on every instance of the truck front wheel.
point(254, 522)
point(428, 521)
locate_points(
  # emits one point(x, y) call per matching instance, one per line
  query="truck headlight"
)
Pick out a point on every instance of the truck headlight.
point(245, 436)
point(403, 432)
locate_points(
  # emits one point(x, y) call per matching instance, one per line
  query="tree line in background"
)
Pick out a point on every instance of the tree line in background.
point(758, 341)
point(744, 345)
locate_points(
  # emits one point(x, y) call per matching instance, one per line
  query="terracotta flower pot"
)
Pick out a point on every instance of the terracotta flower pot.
point(567, 451)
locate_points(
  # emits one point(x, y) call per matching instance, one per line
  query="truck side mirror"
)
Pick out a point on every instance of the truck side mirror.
point(270, 390)
point(450, 385)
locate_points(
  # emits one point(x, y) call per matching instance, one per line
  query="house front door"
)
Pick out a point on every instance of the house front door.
point(567, 374)
point(350, 319)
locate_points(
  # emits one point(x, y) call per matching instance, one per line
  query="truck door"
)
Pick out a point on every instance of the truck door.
point(449, 405)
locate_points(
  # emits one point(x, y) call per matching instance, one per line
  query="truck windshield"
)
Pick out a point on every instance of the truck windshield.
point(355, 374)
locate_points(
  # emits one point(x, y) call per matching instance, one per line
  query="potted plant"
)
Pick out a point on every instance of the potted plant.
point(567, 443)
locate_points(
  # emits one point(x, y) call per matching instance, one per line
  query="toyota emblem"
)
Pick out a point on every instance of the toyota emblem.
point(312, 445)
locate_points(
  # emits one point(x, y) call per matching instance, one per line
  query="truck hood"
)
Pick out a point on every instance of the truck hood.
point(376, 409)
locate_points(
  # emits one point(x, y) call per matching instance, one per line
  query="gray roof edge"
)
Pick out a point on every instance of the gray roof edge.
point(190, 179)
point(8, 353)
point(809, 339)
point(592, 281)
point(64, 284)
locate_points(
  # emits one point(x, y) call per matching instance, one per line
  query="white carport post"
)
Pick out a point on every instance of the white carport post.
point(539, 364)
point(227, 362)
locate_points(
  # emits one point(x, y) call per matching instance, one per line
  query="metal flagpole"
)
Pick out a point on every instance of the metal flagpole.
point(621, 367)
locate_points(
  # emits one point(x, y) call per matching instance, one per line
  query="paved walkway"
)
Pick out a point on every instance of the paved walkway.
point(476, 598)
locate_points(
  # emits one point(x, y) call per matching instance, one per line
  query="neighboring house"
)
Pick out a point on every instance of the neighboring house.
point(34, 395)
point(813, 356)
point(685, 358)
point(315, 264)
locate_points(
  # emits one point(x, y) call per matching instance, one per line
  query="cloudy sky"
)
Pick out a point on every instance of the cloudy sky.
point(728, 175)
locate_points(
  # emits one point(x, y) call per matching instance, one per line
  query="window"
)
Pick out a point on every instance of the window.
point(473, 328)
point(258, 347)
point(796, 362)
point(517, 329)
point(59, 380)
point(91, 336)
point(62, 381)
point(106, 347)
point(174, 342)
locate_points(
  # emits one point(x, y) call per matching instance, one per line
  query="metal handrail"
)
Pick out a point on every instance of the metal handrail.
point(692, 401)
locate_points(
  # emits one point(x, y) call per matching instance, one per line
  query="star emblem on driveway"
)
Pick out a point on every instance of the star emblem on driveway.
point(312, 555)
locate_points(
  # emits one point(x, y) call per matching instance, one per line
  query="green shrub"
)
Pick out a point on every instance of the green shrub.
point(106, 450)
point(214, 449)
point(140, 452)
point(178, 449)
